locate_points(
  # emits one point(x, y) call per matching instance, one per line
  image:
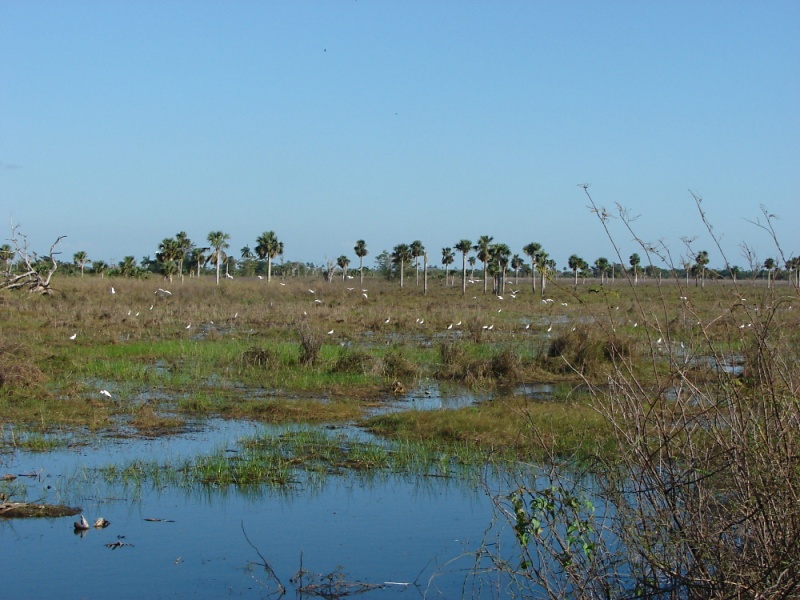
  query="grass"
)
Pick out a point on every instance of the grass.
point(244, 352)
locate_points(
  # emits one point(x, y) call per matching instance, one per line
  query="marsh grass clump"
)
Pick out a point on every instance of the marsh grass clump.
point(398, 366)
point(358, 362)
point(581, 349)
point(310, 345)
point(18, 371)
point(260, 357)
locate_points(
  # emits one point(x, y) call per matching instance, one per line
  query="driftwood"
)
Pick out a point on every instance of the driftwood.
point(35, 274)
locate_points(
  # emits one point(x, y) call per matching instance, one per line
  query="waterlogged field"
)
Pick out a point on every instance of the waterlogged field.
point(251, 438)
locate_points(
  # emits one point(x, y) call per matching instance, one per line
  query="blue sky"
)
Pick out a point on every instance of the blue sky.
point(125, 122)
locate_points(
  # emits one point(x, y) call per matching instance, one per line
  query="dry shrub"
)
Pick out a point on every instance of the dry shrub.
point(260, 357)
point(17, 369)
point(357, 362)
point(586, 351)
point(397, 366)
point(310, 345)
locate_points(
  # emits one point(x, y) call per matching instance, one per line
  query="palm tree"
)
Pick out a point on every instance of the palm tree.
point(169, 252)
point(269, 246)
point(472, 260)
point(464, 246)
point(197, 257)
point(601, 264)
point(246, 253)
point(417, 250)
point(127, 267)
point(361, 251)
point(533, 249)
point(635, 261)
point(516, 264)
point(482, 248)
point(499, 256)
point(448, 256)
point(769, 265)
point(575, 262)
point(400, 255)
point(702, 260)
point(185, 246)
point(218, 241)
point(343, 261)
point(544, 263)
point(80, 259)
point(99, 267)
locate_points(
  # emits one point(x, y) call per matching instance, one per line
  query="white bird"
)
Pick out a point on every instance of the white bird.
point(458, 324)
point(228, 275)
point(387, 319)
point(82, 525)
point(636, 324)
point(318, 301)
point(162, 292)
point(105, 393)
point(113, 291)
point(499, 310)
point(658, 341)
point(365, 295)
point(330, 332)
point(450, 326)
point(528, 326)
point(73, 336)
point(311, 291)
point(564, 304)
point(189, 326)
point(550, 328)
point(491, 326)
point(260, 276)
point(349, 289)
point(500, 298)
point(100, 523)
point(281, 282)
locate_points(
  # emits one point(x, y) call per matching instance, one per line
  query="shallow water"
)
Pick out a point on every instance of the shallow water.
point(383, 529)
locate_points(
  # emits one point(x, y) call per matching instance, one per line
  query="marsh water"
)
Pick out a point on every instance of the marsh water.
point(411, 536)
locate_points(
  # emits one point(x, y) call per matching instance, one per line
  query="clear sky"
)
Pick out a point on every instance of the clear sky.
point(125, 122)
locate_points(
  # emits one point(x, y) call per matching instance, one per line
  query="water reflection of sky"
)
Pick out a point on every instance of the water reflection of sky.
point(385, 529)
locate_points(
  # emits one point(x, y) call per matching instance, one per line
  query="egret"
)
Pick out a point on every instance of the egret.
point(261, 277)
point(387, 320)
point(82, 525)
point(189, 326)
point(528, 326)
point(450, 326)
point(228, 275)
point(458, 324)
point(101, 523)
point(365, 295)
point(500, 298)
point(73, 336)
point(113, 291)
point(330, 332)
point(311, 291)
point(549, 329)
point(105, 393)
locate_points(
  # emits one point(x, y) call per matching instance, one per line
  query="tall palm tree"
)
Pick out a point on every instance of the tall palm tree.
point(343, 261)
point(533, 249)
point(769, 265)
point(417, 250)
point(516, 264)
point(482, 249)
point(499, 256)
point(448, 256)
point(127, 267)
point(401, 255)
point(80, 259)
point(197, 258)
point(635, 261)
point(575, 263)
point(168, 255)
point(218, 241)
point(185, 246)
point(472, 260)
point(361, 251)
point(269, 246)
point(601, 264)
point(702, 260)
point(464, 246)
point(544, 263)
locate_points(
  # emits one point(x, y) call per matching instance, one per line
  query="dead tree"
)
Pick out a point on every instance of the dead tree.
point(36, 273)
